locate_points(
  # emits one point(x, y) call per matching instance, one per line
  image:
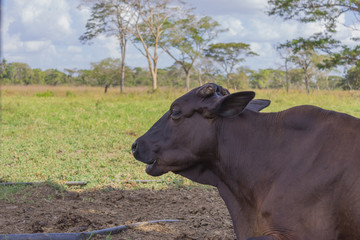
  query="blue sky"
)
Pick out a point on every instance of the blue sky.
point(45, 33)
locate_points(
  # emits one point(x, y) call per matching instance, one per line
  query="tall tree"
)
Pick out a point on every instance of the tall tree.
point(229, 56)
point(188, 38)
point(54, 77)
point(39, 76)
point(152, 22)
point(205, 69)
point(267, 78)
point(303, 55)
point(351, 80)
point(326, 12)
point(286, 54)
point(19, 73)
point(70, 74)
point(241, 78)
point(303, 59)
point(105, 72)
point(114, 19)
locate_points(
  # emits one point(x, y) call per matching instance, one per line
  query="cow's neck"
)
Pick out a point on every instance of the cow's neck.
point(240, 172)
point(243, 164)
point(244, 145)
point(240, 216)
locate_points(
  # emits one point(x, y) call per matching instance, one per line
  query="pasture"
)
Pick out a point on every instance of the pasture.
point(60, 134)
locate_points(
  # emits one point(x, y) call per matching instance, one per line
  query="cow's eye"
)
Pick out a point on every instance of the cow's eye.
point(175, 113)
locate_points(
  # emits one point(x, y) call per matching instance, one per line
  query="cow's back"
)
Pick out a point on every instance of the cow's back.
point(328, 161)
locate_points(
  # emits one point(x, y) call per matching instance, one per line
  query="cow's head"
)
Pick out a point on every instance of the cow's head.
point(185, 136)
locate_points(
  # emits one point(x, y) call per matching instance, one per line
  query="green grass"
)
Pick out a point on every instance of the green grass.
point(341, 101)
point(76, 134)
point(87, 136)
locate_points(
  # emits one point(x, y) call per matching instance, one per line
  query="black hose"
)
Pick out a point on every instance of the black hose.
point(70, 183)
point(77, 236)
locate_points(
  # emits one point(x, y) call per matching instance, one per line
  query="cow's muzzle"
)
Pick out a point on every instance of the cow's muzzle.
point(141, 152)
point(138, 152)
point(134, 147)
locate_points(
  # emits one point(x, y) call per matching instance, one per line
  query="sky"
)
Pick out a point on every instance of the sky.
point(45, 33)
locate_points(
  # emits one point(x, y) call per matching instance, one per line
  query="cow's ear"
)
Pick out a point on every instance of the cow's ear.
point(258, 104)
point(206, 90)
point(233, 104)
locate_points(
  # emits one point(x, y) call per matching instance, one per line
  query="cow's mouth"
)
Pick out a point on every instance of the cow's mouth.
point(150, 165)
point(153, 170)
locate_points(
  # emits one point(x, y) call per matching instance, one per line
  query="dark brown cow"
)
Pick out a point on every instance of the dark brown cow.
point(293, 174)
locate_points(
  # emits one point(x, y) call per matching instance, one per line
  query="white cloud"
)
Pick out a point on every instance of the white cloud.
point(30, 13)
point(64, 23)
point(264, 31)
point(49, 30)
point(39, 32)
point(311, 28)
point(35, 46)
point(232, 24)
point(347, 29)
point(41, 19)
point(74, 49)
point(11, 43)
point(45, 33)
point(228, 7)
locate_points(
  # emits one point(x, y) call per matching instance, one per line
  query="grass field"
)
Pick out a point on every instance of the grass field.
point(61, 134)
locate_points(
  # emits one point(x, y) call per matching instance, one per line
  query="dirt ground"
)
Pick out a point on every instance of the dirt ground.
point(43, 209)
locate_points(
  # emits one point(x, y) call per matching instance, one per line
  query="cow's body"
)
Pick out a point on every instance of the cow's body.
point(288, 175)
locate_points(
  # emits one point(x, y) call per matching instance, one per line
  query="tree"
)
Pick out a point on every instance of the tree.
point(241, 78)
point(229, 55)
point(105, 72)
point(267, 78)
point(172, 76)
point(326, 12)
point(141, 77)
point(3, 66)
point(303, 59)
point(296, 77)
point(70, 74)
point(85, 77)
point(19, 73)
point(152, 22)
point(206, 70)
point(114, 19)
point(334, 82)
point(351, 80)
point(189, 37)
point(322, 74)
point(286, 53)
point(38, 76)
point(54, 77)
point(303, 56)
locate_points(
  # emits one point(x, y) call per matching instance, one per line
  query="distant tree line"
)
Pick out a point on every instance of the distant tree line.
point(157, 27)
point(106, 73)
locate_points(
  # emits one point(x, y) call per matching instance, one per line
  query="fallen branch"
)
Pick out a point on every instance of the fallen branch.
point(71, 183)
point(140, 181)
point(77, 236)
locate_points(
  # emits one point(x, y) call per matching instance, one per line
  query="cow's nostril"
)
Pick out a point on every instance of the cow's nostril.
point(134, 147)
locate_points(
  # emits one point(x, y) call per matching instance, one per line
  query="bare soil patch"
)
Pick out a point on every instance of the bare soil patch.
point(43, 209)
